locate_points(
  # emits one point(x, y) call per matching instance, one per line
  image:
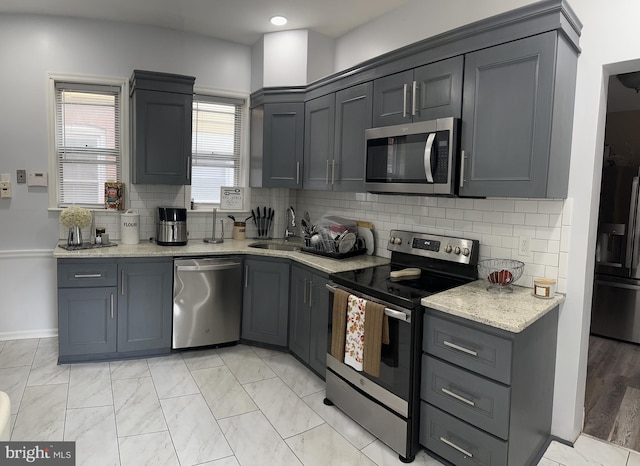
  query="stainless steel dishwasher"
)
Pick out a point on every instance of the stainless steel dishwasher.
point(207, 301)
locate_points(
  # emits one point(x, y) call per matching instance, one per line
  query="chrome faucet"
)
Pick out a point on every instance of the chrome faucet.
point(289, 231)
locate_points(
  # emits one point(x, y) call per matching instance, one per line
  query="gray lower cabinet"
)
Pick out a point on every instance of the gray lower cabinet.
point(277, 132)
point(110, 308)
point(486, 394)
point(145, 304)
point(161, 114)
point(517, 115)
point(424, 93)
point(334, 139)
point(265, 307)
point(309, 317)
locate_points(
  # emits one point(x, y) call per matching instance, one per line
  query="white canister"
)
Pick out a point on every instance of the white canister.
point(544, 287)
point(130, 227)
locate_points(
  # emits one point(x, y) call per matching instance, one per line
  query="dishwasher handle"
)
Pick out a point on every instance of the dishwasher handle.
point(208, 267)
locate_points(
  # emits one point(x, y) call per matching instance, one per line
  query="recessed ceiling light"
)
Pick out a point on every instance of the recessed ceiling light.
point(278, 20)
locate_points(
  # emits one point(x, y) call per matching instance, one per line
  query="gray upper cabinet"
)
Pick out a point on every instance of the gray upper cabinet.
point(265, 307)
point(161, 114)
point(277, 132)
point(319, 131)
point(425, 93)
point(354, 106)
point(334, 139)
point(517, 105)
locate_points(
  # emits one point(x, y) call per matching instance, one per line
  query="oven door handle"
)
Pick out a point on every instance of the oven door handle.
point(392, 313)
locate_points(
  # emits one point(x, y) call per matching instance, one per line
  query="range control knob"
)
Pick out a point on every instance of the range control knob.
point(448, 249)
point(466, 252)
point(397, 240)
point(456, 251)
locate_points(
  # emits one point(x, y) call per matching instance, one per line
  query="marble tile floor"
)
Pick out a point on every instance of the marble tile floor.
point(233, 406)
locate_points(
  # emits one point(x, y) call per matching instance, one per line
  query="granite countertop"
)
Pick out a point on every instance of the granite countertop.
point(512, 312)
point(197, 247)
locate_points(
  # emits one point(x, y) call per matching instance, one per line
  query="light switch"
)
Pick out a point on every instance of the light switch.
point(37, 179)
point(5, 189)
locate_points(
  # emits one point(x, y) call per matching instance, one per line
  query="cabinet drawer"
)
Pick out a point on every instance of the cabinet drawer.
point(472, 398)
point(80, 274)
point(457, 441)
point(472, 349)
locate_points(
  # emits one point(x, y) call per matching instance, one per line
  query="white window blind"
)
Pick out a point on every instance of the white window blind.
point(217, 131)
point(87, 135)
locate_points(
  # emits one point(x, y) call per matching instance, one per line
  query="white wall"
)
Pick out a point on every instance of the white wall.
point(285, 58)
point(609, 45)
point(32, 46)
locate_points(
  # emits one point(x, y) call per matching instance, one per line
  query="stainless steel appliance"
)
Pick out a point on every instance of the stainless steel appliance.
point(171, 226)
point(207, 301)
point(388, 405)
point(616, 294)
point(416, 158)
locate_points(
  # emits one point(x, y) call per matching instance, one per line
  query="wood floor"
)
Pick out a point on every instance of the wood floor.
point(612, 400)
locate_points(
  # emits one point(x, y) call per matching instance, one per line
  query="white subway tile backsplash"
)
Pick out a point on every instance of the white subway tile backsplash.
point(454, 214)
point(538, 220)
point(504, 205)
point(464, 204)
point(545, 258)
point(492, 217)
point(550, 206)
point(472, 215)
point(483, 204)
point(513, 218)
point(526, 206)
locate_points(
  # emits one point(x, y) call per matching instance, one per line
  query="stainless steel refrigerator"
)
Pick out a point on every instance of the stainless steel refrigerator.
point(616, 293)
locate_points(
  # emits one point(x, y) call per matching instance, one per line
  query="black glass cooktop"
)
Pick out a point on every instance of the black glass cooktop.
point(407, 293)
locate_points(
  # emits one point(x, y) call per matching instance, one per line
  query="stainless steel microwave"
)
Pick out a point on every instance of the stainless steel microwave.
point(416, 158)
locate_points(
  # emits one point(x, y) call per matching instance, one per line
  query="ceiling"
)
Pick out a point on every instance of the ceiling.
point(242, 21)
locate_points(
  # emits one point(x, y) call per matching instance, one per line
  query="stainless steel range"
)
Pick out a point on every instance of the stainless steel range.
point(388, 404)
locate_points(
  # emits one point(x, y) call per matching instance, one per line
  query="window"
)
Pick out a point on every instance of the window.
point(87, 142)
point(216, 151)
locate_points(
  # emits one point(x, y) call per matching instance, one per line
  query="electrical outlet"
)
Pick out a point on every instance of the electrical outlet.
point(524, 246)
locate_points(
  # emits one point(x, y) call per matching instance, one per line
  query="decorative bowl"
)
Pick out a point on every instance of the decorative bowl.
point(500, 274)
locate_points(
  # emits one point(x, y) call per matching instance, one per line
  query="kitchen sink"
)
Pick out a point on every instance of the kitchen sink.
point(275, 246)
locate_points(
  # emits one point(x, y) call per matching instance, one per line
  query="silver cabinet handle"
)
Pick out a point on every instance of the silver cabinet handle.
point(326, 178)
point(631, 231)
point(462, 160)
point(460, 348)
point(304, 299)
point(87, 275)
point(246, 276)
point(112, 305)
point(122, 282)
point(427, 157)
point(414, 92)
point(453, 445)
point(310, 293)
point(457, 397)
point(297, 172)
point(404, 101)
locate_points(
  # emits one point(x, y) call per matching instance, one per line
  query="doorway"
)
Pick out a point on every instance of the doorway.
point(612, 398)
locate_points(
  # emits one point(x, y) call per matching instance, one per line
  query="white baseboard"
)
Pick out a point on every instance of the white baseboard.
point(29, 334)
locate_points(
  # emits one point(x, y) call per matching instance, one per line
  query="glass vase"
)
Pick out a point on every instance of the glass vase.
point(75, 237)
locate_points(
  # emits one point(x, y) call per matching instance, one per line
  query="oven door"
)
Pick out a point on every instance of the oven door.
point(416, 158)
point(393, 387)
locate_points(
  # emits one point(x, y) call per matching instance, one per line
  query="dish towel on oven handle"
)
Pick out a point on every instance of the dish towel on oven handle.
point(339, 324)
point(374, 337)
point(354, 338)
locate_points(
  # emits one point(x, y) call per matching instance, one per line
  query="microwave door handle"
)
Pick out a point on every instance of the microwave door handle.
point(632, 236)
point(427, 157)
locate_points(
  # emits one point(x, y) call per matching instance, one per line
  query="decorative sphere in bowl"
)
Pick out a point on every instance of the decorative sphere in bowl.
point(500, 274)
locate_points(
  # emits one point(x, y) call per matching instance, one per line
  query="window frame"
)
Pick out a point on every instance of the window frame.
point(123, 84)
point(244, 150)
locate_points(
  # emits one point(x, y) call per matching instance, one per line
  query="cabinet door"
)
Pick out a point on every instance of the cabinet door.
point(319, 325)
point(439, 90)
point(391, 103)
point(283, 145)
point(319, 127)
point(299, 312)
point(506, 124)
point(161, 137)
point(144, 304)
point(265, 308)
point(354, 107)
point(87, 320)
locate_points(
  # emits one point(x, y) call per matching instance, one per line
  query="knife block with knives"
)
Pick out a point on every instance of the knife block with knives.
point(263, 221)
